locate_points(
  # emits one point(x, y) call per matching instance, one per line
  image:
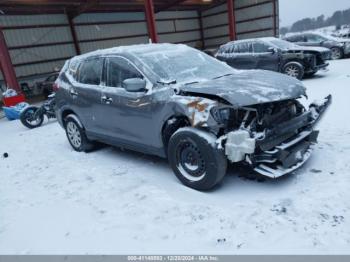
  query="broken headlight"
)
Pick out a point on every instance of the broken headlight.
point(221, 115)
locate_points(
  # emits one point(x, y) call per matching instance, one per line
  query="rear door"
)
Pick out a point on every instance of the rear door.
point(241, 56)
point(267, 57)
point(86, 93)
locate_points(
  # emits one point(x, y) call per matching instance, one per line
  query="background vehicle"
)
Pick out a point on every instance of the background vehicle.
point(340, 47)
point(47, 85)
point(274, 54)
point(177, 102)
point(33, 116)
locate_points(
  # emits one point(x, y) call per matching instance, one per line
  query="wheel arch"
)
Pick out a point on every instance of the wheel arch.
point(171, 125)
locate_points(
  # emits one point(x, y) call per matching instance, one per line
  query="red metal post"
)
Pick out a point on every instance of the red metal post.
point(6, 65)
point(274, 18)
point(231, 19)
point(74, 34)
point(151, 21)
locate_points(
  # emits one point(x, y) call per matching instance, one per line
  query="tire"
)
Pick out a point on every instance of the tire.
point(294, 69)
point(195, 161)
point(27, 120)
point(337, 53)
point(76, 135)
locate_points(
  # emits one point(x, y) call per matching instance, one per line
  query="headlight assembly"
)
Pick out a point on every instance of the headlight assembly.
point(221, 115)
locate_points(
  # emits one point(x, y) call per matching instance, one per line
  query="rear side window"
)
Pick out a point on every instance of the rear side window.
point(244, 48)
point(295, 38)
point(90, 71)
point(119, 69)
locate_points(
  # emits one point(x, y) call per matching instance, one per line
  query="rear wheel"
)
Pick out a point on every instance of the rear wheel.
point(29, 119)
point(337, 53)
point(76, 135)
point(194, 158)
point(294, 69)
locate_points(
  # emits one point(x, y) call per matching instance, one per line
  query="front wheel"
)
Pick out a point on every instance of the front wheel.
point(195, 159)
point(30, 119)
point(294, 69)
point(337, 53)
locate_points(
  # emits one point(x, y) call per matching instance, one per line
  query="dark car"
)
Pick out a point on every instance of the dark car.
point(340, 47)
point(179, 103)
point(47, 85)
point(274, 54)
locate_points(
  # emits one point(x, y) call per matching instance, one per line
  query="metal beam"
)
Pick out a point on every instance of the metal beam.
point(151, 21)
point(275, 18)
point(6, 65)
point(231, 19)
point(169, 5)
point(74, 34)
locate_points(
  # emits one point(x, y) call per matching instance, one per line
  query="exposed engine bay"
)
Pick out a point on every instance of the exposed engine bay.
point(273, 138)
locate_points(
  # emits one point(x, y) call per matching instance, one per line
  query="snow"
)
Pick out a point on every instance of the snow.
point(57, 201)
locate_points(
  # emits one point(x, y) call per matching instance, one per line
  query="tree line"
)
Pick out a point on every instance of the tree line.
point(337, 19)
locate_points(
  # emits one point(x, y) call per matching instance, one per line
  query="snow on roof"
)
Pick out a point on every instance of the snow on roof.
point(135, 49)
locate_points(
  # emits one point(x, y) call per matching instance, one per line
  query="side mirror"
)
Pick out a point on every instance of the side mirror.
point(134, 84)
point(272, 50)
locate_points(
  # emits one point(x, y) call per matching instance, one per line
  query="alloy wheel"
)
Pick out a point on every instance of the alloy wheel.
point(74, 134)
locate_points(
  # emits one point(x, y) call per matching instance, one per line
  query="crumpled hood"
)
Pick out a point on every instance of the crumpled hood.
point(250, 87)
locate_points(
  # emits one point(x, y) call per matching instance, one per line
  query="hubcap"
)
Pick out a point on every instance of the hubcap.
point(336, 53)
point(292, 71)
point(74, 134)
point(190, 161)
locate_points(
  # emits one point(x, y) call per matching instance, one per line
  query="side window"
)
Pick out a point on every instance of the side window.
point(90, 71)
point(314, 38)
point(243, 48)
point(119, 69)
point(260, 48)
point(73, 68)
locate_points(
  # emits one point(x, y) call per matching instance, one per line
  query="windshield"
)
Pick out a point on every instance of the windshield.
point(282, 44)
point(184, 64)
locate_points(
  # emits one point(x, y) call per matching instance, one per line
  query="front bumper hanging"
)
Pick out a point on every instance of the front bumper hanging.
point(281, 149)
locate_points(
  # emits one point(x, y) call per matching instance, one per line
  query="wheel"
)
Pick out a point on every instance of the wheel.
point(76, 135)
point(27, 117)
point(337, 53)
point(294, 69)
point(195, 160)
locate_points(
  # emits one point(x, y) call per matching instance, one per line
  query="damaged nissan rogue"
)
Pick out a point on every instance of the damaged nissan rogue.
point(178, 103)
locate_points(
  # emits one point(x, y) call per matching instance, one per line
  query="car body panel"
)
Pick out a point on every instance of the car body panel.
point(136, 120)
point(312, 58)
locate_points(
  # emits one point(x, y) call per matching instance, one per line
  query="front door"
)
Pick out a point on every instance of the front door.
point(267, 58)
point(127, 115)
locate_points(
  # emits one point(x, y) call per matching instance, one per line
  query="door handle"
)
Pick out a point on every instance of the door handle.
point(107, 100)
point(73, 92)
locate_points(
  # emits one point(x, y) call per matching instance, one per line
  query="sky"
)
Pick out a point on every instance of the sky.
point(293, 10)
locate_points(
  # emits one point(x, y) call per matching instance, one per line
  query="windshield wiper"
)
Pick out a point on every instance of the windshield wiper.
point(222, 76)
point(190, 83)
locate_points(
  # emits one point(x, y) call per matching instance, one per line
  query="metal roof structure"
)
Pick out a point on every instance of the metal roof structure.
point(39, 35)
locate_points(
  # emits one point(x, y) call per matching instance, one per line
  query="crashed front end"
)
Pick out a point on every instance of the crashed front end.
point(274, 139)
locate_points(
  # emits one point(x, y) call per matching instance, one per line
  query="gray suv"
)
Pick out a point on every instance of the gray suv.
point(178, 103)
point(340, 47)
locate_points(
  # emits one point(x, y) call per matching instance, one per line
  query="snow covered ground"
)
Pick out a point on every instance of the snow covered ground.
point(56, 201)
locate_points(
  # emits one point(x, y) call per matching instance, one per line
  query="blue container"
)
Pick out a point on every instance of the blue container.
point(14, 112)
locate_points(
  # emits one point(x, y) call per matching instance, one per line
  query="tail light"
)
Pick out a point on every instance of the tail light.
point(55, 87)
